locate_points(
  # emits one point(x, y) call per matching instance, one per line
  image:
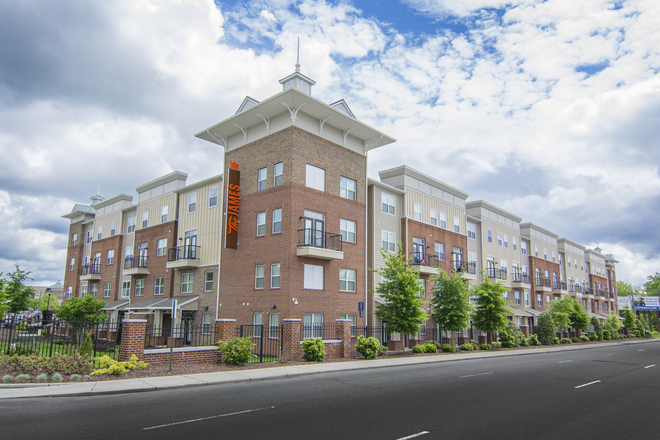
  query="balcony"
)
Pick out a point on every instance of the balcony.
point(611, 294)
point(502, 274)
point(520, 280)
point(467, 268)
point(183, 257)
point(425, 264)
point(578, 288)
point(136, 265)
point(314, 243)
point(559, 287)
point(90, 272)
point(543, 284)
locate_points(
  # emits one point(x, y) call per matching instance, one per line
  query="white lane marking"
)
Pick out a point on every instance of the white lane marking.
point(586, 384)
point(478, 374)
point(641, 350)
point(563, 362)
point(649, 366)
point(208, 418)
point(414, 435)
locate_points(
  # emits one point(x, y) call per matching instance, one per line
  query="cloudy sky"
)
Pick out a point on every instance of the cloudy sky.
point(549, 109)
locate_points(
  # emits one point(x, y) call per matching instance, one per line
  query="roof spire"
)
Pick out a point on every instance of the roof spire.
point(298, 57)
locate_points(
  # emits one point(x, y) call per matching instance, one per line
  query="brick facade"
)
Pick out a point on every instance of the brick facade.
point(72, 277)
point(155, 263)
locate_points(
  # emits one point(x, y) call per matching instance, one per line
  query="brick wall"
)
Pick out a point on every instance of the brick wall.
point(72, 278)
point(156, 264)
point(543, 265)
point(110, 272)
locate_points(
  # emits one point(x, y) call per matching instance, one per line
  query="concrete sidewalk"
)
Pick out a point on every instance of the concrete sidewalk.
point(17, 391)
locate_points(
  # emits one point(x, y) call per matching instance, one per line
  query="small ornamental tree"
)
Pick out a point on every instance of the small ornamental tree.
point(490, 310)
point(561, 310)
point(546, 328)
point(612, 324)
point(78, 310)
point(3, 297)
point(628, 318)
point(17, 292)
point(402, 294)
point(452, 301)
point(578, 316)
point(598, 330)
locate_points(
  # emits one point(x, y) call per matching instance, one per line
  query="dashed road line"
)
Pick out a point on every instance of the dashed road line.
point(587, 384)
point(649, 366)
point(414, 435)
point(207, 418)
point(473, 375)
point(563, 362)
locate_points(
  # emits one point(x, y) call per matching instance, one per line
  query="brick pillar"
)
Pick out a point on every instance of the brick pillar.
point(291, 347)
point(225, 329)
point(345, 336)
point(132, 337)
point(525, 331)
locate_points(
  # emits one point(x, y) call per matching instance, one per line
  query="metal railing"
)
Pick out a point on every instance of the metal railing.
point(320, 239)
point(186, 252)
point(520, 278)
point(138, 262)
point(501, 273)
point(91, 269)
point(543, 281)
point(578, 288)
point(264, 349)
point(464, 266)
point(490, 272)
point(185, 335)
point(322, 331)
point(422, 259)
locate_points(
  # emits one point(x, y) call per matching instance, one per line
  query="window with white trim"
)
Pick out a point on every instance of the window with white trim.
point(499, 239)
point(89, 237)
point(83, 291)
point(313, 277)
point(545, 253)
point(68, 291)
point(257, 324)
point(113, 228)
point(515, 243)
point(161, 247)
point(506, 241)
point(434, 217)
point(443, 220)
point(126, 289)
point(351, 317)
point(523, 247)
point(261, 224)
point(261, 180)
point(472, 231)
point(94, 289)
point(554, 256)
point(517, 298)
point(213, 196)
point(388, 203)
point(130, 225)
point(347, 188)
point(145, 219)
point(526, 298)
point(440, 251)
point(536, 250)
point(277, 220)
point(107, 287)
point(278, 174)
point(110, 256)
point(159, 285)
point(99, 232)
point(418, 212)
point(275, 276)
point(312, 325)
point(163, 213)
point(206, 323)
point(74, 239)
point(490, 236)
point(259, 276)
point(139, 287)
point(457, 224)
point(347, 280)
point(72, 264)
point(389, 241)
point(192, 202)
point(539, 300)
point(187, 282)
point(347, 230)
point(208, 281)
point(315, 177)
point(273, 325)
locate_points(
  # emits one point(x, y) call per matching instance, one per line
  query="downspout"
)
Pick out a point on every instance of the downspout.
point(222, 228)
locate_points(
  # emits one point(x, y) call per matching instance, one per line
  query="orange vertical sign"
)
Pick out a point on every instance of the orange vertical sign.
point(233, 198)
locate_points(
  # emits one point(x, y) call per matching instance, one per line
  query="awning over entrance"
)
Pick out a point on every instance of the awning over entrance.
point(116, 304)
point(517, 312)
point(183, 303)
point(146, 304)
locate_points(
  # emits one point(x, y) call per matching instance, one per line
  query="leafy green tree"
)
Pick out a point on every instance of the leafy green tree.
point(578, 316)
point(17, 292)
point(79, 310)
point(546, 328)
point(402, 294)
point(452, 301)
point(561, 310)
point(3, 297)
point(628, 318)
point(45, 302)
point(490, 310)
point(624, 289)
point(652, 286)
point(598, 330)
point(612, 323)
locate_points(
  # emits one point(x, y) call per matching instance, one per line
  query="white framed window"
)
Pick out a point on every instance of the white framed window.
point(347, 280)
point(347, 230)
point(275, 276)
point(68, 291)
point(472, 259)
point(192, 202)
point(506, 296)
point(548, 300)
point(536, 250)
point(506, 241)
point(99, 232)
point(187, 282)
point(351, 317)
point(582, 266)
point(93, 289)
point(499, 239)
point(208, 281)
point(457, 224)
point(261, 179)
point(126, 289)
point(347, 188)
point(83, 291)
point(576, 264)
point(389, 241)
point(130, 225)
point(418, 212)
point(490, 236)
point(545, 253)
point(443, 220)
point(213, 196)
point(434, 217)
point(523, 247)
point(206, 323)
point(569, 261)
point(515, 243)
point(107, 287)
point(278, 174)
point(277, 220)
point(139, 287)
point(539, 300)
point(313, 277)
point(113, 228)
point(517, 298)
point(259, 276)
point(159, 285)
point(472, 231)
point(161, 247)
point(315, 177)
point(388, 203)
point(422, 287)
point(110, 256)
point(257, 327)
point(74, 239)
point(261, 224)
point(273, 325)
point(72, 264)
point(312, 325)
point(554, 256)
point(129, 251)
point(440, 251)
point(163, 213)
point(89, 237)
point(526, 298)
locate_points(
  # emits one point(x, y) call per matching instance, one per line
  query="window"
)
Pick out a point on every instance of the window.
point(434, 217)
point(74, 239)
point(515, 243)
point(518, 298)
point(99, 232)
point(187, 282)
point(347, 230)
point(139, 287)
point(313, 277)
point(163, 213)
point(261, 224)
point(113, 229)
point(490, 236)
point(126, 289)
point(499, 239)
point(576, 264)
point(275, 276)
point(553, 257)
point(388, 203)
point(192, 202)
point(257, 321)
point(107, 287)
point(545, 253)
point(347, 188)
point(206, 323)
point(159, 285)
point(472, 231)
point(569, 261)
point(83, 291)
point(208, 281)
point(130, 225)
point(422, 288)
point(418, 212)
point(94, 289)
point(213, 196)
point(539, 300)
point(145, 219)
point(72, 264)
point(389, 241)
point(273, 325)
point(347, 280)
point(548, 299)
point(422, 329)
point(315, 177)
point(506, 296)
point(440, 251)
point(523, 247)
point(129, 252)
point(161, 247)
point(312, 325)
point(261, 179)
point(259, 276)
point(110, 256)
point(68, 291)
point(582, 266)
point(457, 224)
point(278, 171)
point(472, 259)
point(277, 220)
point(506, 241)
point(89, 237)
point(536, 250)
point(526, 298)
point(350, 317)
point(443, 220)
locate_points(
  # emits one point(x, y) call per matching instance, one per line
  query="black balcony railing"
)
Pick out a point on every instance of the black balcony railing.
point(543, 281)
point(422, 259)
point(186, 252)
point(91, 269)
point(578, 288)
point(320, 239)
point(139, 262)
point(611, 294)
point(501, 273)
point(490, 272)
point(520, 278)
point(464, 266)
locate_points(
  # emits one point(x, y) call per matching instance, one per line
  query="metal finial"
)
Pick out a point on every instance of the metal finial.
point(298, 57)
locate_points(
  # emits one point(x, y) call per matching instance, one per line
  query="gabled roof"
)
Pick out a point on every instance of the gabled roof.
point(343, 107)
point(78, 209)
point(246, 104)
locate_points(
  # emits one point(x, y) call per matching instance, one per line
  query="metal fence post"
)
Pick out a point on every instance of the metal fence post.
point(96, 337)
point(261, 343)
point(11, 330)
point(52, 338)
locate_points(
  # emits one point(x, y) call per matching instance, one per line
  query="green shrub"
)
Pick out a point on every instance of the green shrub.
point(575, 339)
point(367, 347)
point(418, 349)
point(436, 343)
point(56, 377)
point(606, 335)
point(7, 378)
point(555, 341)
point(584, 338)
point(466, 347)
point(523, 342)
point(22, 327)
point(496, 344)
point(87, 347)
point(113, 367)
point(475, 345)
point(43, 377)
point(598, 329)
point(430, 348)
point(484, 347)
point(313, 350)
point(566, 341)
point(533, 340)
point(22, 378)
point(507, 339)
point(236, 351)
point(74, 377)
point(637, 333)
point(382, 350)
point(448, 348)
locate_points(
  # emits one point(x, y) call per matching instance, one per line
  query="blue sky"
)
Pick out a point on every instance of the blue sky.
point(545, 108)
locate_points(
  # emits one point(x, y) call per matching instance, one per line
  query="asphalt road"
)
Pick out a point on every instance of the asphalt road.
point(600, 393)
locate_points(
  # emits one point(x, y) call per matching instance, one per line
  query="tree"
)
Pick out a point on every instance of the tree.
point(579, 317)
point(612, 323)
point(561, 310)
point(546, 329)
point(402, 294)
point(3, 297)
point(598, 330)
point(452, 301)
point(16, 291)
point(79, 310)
point(45, 302)
point(652, 286)
point(624, 289)
point(490, 311)
point(628, 318)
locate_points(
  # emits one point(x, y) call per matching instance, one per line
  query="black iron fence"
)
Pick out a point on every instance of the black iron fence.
point(380, 333)
point(320, 239)
point(322, 331)
point(464, 266)
point(135, 262)
point(520, 278)
point(423, 259)
point(185, 335)
point(186, 252)
point(266, 340)
point(47, 338)
point(91, 269)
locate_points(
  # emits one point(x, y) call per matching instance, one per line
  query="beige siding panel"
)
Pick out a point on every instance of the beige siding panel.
point(153, 207)
point(429, 203)
point(106, 221)
point(383, 222)
point(207, 221)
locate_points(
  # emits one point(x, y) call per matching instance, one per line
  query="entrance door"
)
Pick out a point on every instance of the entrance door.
point(314, 229)
point(190, 245)
point(458, 259)
point(142, 255)
point(186, 326)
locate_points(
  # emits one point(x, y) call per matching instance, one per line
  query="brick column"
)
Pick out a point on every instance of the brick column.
point(345, 336)
point(291, 347)
point(525, 331)
point(132, 338)
point(225, 329)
